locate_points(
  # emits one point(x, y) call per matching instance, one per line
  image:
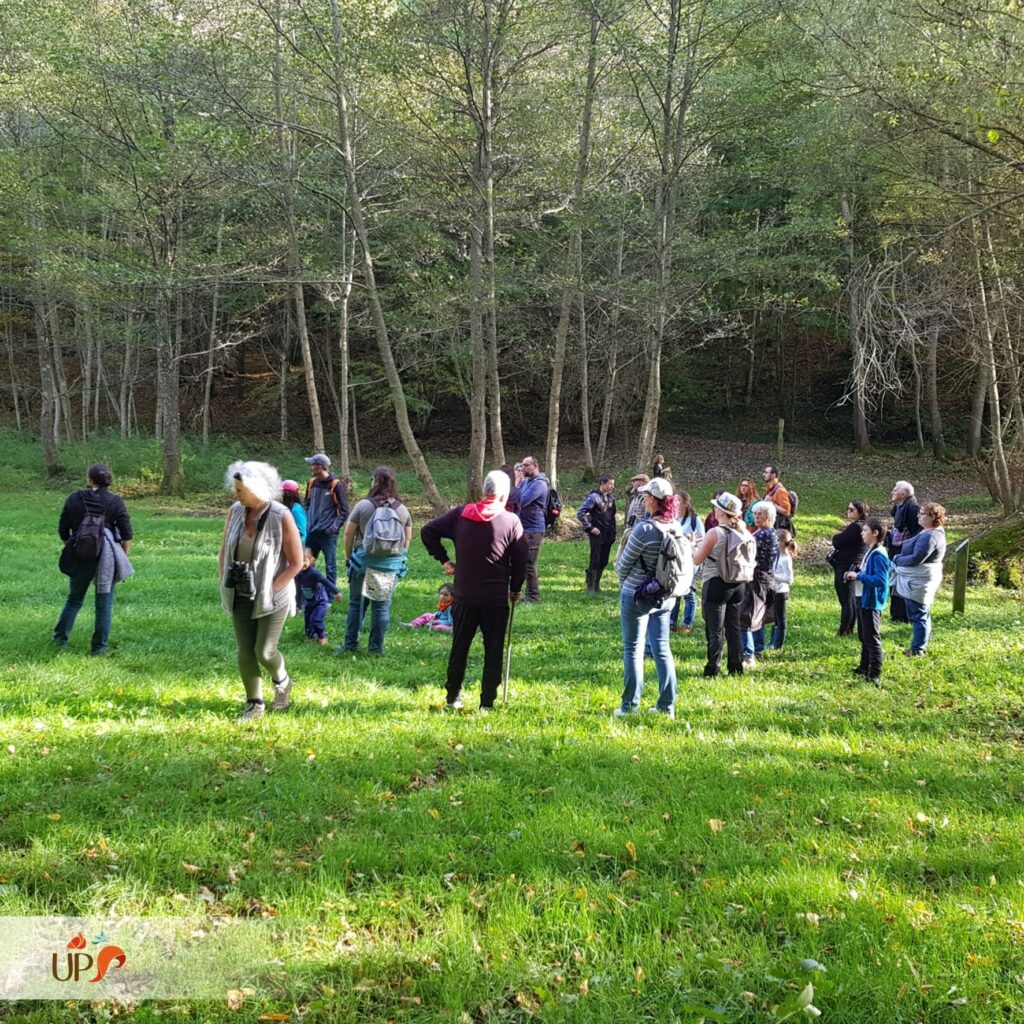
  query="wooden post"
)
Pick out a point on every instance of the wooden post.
point(778, 442)
point(962, 552)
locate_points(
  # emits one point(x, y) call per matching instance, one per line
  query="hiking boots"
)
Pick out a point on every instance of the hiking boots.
point(253, 709)
point(282, 694)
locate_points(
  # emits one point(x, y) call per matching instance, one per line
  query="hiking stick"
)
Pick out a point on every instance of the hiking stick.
point(508, 654)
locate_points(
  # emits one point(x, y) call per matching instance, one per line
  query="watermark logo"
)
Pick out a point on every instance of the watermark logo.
point(77, 963)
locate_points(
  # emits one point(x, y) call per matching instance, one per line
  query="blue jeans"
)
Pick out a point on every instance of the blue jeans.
point(322, 540)
point(778, 637)
point(753, 642)
point(689, 606)
point(921, 622)
point(640, 624)
point(380, 615)
point(80, 580)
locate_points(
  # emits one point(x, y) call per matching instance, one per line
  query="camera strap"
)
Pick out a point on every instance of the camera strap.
point(256, 539)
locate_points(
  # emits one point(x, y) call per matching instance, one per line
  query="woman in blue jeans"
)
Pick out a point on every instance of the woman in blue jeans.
point(693, 531)
point(642, 622)
point(918, 569)
point(377, 537)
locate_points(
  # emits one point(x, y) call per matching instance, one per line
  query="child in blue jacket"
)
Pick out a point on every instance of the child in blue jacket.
point(872, 581)
point(316, 592)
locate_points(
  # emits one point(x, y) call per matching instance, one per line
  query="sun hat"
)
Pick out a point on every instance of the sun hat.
point(728, 503)
point(659, 488)
point(319, 460)
point(289, 485)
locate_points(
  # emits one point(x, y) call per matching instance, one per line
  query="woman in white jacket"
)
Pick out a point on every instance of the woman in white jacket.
point(782, 581)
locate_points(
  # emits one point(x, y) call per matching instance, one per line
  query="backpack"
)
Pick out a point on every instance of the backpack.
point(794, 501)
point(385, 533)
point(89, 536)
point(739, 556)
point(673, 571)
point(552, 509)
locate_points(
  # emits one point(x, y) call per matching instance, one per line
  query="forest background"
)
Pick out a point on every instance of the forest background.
point(435, 223)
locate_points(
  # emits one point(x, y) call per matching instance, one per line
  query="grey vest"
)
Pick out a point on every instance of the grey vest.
point(267, 561)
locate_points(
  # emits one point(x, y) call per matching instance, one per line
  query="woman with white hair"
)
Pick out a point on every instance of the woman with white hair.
point(260, 555)
point(905, 525)
point(755, 603)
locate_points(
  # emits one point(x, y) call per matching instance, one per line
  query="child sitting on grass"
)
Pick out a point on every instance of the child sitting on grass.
point(872, 594)
point(316, 592)
point(442, 618)
point(782, 580)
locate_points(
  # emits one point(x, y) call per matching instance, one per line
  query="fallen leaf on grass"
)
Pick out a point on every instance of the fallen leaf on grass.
point(276, 1016)
point(190, 869)
point(632, 851)
point(716, 824)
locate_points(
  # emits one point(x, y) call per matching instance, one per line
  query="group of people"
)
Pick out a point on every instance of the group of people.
point(739, 557)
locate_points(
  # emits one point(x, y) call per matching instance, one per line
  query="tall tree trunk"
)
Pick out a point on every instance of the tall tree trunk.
point(861, 440)
point(212, 340)
point(915, 366)
point(1014, 375)
point(999, 465)
point(11, 370)
point(47, 391)
point(572, 280)
point(169, 394)
point(479, 362)
point(932, 376)
point(419, 463)
point(348, 270)
point(84, 330)
point(286, 150)
point(977, 421)
point(64, 423)
point(124, 391)
point(613, 358)
point(588, 452)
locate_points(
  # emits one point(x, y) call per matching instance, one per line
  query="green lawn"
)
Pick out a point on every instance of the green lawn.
point(547, 861)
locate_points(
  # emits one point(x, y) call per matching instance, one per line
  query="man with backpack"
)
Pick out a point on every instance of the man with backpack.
point(597, 517)
point(780, 498)
point(326, 513)
point(533, 513)
point(97, 535)
point(728, 554)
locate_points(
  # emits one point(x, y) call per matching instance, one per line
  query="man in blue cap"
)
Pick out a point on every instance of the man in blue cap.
point(326, 510)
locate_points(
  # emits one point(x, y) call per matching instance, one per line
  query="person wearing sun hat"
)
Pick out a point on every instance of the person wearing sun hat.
point(327, 510)
point(721, 601)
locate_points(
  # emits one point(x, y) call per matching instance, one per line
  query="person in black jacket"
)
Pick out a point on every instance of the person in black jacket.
point(95, 500)
point(904, 526)
point(847, 554)
point(597, 517)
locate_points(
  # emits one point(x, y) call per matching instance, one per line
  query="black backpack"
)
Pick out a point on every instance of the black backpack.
point(794, 501)
point(553, 508)
point(89, 536)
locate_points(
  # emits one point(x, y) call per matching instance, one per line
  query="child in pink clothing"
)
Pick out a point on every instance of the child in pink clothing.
point(442, 618)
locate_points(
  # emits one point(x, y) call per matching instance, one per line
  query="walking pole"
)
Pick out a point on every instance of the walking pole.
point(508, 654)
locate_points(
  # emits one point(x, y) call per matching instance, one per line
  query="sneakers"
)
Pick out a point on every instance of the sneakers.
point(749, 663)
point(454, 706)
point(253, 709)
point(667, 712)
point(622, 712)
point(685, 630)
point(485, 711)
point(911, 653)
point(282, 694)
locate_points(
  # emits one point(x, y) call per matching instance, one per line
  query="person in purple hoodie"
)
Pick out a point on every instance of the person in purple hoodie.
point(489, 570)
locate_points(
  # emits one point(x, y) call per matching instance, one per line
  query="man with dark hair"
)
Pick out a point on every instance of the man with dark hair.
point(104, 566)
point(489, 569)
point(326, 511)
point(779, 497)
point(597, 517)
point(533, 501)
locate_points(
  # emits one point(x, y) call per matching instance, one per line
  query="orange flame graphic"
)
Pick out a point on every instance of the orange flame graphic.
point(78, 942)
point(109, 955)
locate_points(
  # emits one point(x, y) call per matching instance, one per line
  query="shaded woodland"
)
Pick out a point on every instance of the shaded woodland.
point(412, 221)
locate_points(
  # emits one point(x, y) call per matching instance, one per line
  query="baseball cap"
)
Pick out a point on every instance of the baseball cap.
point(319, 460)
point(290, 485)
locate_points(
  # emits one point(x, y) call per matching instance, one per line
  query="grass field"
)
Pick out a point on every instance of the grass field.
point(548, 861)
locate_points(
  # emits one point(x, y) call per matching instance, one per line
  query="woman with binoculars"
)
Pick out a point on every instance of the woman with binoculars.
point(259, 557)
